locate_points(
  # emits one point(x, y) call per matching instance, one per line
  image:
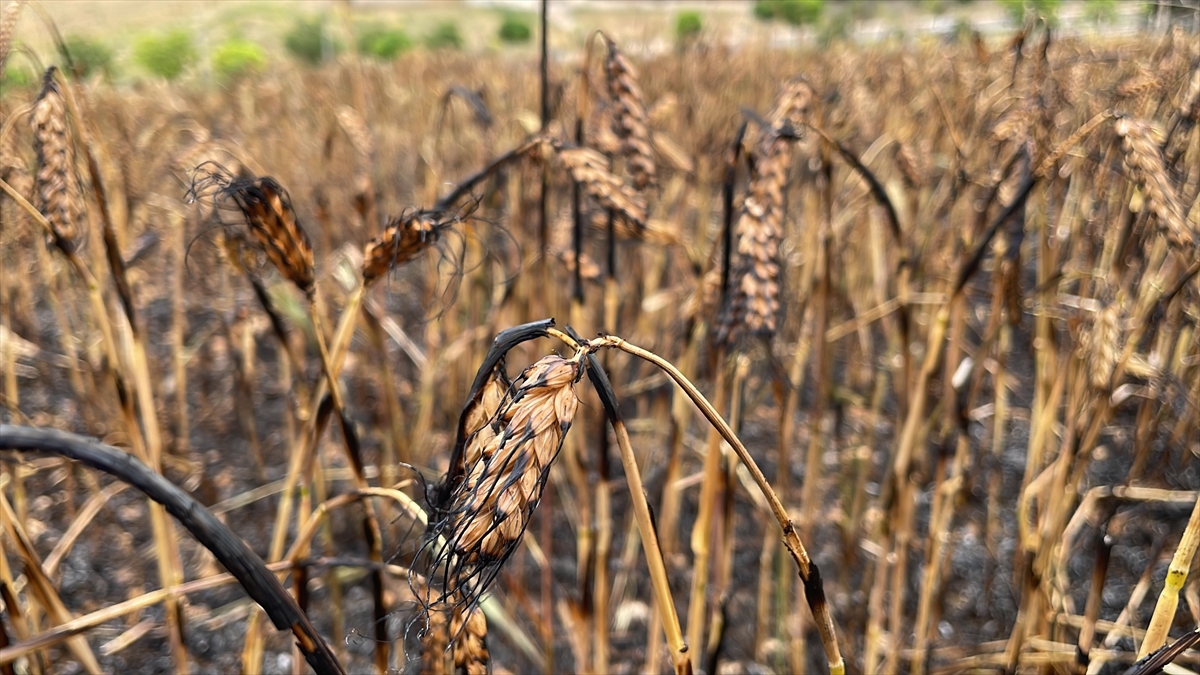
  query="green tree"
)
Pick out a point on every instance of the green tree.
point(688, 25)
point(515, 29)
point(384, 43)
point(1018, 9)
point(165, 55)
point(445, 35)
point(236, 57)
point(795, 12)
point(89, 56)
point(307, 41)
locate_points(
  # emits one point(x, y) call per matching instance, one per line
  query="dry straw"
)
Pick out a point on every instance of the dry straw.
point(629, 121)
point(58, 195)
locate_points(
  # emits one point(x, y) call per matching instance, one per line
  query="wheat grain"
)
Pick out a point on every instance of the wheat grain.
point(435, 640)
point(271, 219)
point(357, 130)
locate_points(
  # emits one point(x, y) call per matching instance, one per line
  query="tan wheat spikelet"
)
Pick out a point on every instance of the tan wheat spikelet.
point(356, 128)
point(435, 640)
point(1146, 166)
point(1102, 344)
point(8, 29)
point(507, 462)
point(58, 194)
point(273, 222)
point(590, 169)
point(469, 630)
point(629, 119)
point(403, 239)
point(754, 301)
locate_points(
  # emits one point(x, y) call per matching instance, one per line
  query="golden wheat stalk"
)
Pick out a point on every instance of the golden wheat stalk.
point(629, 121)
point(1145, 163)
point(590, 169)
point(57, 189)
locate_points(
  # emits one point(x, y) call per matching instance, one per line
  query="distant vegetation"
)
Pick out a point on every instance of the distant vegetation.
point(445, 36)
point(384, 44)
point(165, 55)
point(515, 28)
point(236, 57)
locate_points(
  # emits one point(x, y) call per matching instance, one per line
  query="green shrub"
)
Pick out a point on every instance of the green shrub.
point(445, 35)
point(1017, 9)
point(165, 55)
point(307, 41)
point(515, 29)
point(1100, 11)
point(795, 12)
point(18, 76)
point(687, 25)
point(236, 57)
point(89, 56)
point(384, 43)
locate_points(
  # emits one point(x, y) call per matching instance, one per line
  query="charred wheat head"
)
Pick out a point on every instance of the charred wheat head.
point(629, 121)
point(58, 196)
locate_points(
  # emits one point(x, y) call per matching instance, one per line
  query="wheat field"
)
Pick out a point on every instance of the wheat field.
point(713, 359)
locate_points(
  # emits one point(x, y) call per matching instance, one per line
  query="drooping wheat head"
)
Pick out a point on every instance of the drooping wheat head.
point(629, 121)
point(269, 216)
point(506, 464)
point(403, 239)
point(435, 640)
point(1145, 162)
point(754, 296)
point(590, 169)
point(58, 196)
